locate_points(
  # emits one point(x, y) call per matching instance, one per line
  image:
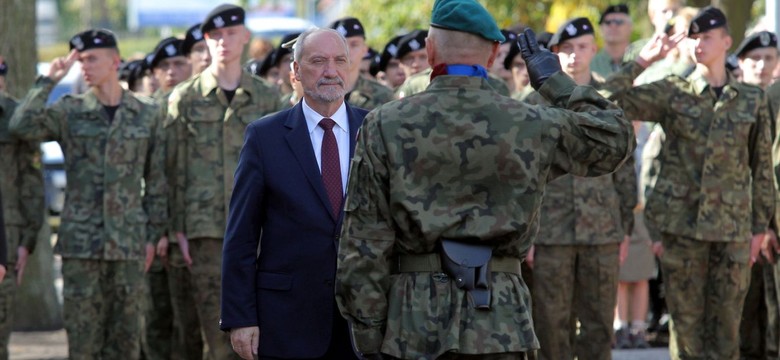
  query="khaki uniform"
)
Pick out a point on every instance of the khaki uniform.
point(368, 94)
point(23, 208)
point(477, 170)
point(582, 222)
point(205, 135)
point(714, 190)
point(114, 205)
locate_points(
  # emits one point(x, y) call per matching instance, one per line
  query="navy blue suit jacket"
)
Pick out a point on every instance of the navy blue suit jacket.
point(279, 201)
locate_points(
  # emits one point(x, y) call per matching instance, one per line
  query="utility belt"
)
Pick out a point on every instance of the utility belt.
point(467, 264)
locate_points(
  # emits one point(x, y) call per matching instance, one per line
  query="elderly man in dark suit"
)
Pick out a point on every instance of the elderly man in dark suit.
point(289, 189)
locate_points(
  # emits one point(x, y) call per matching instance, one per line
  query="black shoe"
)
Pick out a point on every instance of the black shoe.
point(638, 340)
point(623, 339)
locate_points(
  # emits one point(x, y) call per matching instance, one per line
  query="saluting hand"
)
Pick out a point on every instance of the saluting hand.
point(541, 64)
point(658, 47)
point(61, 65)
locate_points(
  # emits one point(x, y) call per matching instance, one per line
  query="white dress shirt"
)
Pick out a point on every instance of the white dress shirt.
point(341, 131)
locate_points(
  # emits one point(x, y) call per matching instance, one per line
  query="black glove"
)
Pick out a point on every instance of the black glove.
point(540, 62)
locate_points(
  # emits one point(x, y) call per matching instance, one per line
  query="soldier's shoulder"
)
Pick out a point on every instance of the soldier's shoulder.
point(188, 86)
point(257, 83)
point(748, 88)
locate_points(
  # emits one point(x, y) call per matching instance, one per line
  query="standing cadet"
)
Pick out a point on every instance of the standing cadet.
point(516, 65)
point(206, 119)
point(390, 73)
point(363, 92)
point(459, 170)
point(714, 196)
point(584, 231)
point(23, 206)
point(195, 49)
point(615, 25)
point(759, 330)
point(115, 201)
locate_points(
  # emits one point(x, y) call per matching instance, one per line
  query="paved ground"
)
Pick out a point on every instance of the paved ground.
point(53, 346)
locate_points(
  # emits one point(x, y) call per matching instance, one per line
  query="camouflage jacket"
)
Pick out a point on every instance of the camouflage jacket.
point(115, 201)
point(602, 64)
point(21, 185)
point(460, 161)
point(773, 99)
point(368, 94)
point(418, 82)
point(587, 210)
point(716, 181)
point(205, 135)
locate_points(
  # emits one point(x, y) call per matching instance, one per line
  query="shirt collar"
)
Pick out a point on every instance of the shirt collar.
point(313, 118)
point(208, 82)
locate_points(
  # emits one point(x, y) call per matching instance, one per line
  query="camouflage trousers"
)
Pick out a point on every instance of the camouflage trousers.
point(705, 284)
point(187, 330)
point(455, 356)
point(103, 307)
point(7, 299)
point(206, 283)
point(158, 336)
point(575, 282)
point(759, 331)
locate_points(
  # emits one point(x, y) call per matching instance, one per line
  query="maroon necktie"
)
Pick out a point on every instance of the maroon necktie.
point(331, 167)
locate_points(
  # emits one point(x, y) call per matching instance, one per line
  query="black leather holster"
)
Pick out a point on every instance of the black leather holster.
point(467, 264)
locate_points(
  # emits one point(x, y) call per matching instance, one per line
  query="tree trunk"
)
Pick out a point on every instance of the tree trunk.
point(37, 307)
point(17, 44)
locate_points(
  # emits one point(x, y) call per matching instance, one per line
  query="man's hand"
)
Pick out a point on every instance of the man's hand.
point(658, 248)
point(184, 246)
point(541, 64)
point(770, 247)
point(21, 262)
point(162, 249)
point(529, 258)
point(2, 272)
point(61, 65)
point(149, 257)
point(623, 254)
point(657, 48)
point(755, 246)
point(245, 341)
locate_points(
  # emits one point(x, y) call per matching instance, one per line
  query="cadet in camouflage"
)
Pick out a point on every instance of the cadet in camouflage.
point(460, 161)
point(585, 224)
point(365, 92)
point(115, 201)
point(205, 124)
point(715, 193)
point(23, 209)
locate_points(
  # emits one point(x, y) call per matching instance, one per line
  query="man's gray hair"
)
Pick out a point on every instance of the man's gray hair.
point(298, 46)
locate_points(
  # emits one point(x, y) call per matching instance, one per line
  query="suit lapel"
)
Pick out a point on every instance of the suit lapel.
point(300, 144)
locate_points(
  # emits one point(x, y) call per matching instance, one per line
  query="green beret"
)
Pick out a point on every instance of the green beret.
point(467, 16)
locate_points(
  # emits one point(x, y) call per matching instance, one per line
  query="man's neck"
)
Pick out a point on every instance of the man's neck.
point(714, 74)
point(616, 51)
point(582, 78)
point(108, 93)
point(323, 108)
point(228, 74)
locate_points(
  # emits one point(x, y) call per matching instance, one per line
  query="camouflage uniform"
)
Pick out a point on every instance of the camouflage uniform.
point(368, 94)
point(205, 135)
point(23, 206)
point(582, 222)
point(714, 190)
point(418, 82)
point(115, 204)
point(460, 161)
point(522, 94)
point(602, 64)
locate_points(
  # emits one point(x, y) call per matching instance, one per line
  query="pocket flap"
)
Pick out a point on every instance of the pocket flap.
point(274, 281)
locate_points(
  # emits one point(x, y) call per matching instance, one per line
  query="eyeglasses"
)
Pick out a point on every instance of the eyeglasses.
point(617, 22)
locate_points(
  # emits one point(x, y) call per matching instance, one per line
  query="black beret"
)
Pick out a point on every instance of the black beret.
point(348, 27)
point(510, 36)
point(571, 29)
point(255, 67)
point(761, 39)
point(514, 50)
point(373, 69)
point(370, 54)
point(193, 36)
point(167, 48)
point(412, 41)
point(93, 39)
point(132, 72)
point(544, 39)
point(707, 19)
point(222, 16)
point(390, 52)
point(3, 68)
point(614, 9)
point(732, 63)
